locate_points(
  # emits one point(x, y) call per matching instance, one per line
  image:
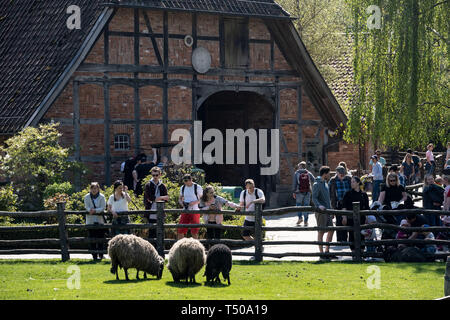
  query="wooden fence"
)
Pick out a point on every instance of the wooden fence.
point(40, 246)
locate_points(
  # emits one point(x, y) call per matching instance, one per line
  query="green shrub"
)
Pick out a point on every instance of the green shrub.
point(61, 188)
point(34, 159)
point(8, 202)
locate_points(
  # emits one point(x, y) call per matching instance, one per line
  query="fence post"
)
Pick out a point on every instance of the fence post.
point(63, 237)
point(447, 278)
point(258, 232)
point(160, 228)
point(357, 231)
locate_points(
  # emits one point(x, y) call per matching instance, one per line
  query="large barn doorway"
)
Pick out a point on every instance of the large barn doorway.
point(237, 110)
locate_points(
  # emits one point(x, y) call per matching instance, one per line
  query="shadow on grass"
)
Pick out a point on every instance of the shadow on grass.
point(183, 284)
point(216, 284)
point(123, 281)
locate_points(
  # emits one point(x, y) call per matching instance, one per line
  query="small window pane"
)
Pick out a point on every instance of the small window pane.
point(122, 142)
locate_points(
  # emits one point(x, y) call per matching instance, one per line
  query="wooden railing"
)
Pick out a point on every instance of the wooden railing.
point(40, 246)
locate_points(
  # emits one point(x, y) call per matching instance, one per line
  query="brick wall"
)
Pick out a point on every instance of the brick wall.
point(121, 97)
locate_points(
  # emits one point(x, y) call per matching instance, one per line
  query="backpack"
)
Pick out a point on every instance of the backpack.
point(304, 183)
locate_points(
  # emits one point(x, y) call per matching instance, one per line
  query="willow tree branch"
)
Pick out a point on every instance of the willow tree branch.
point(433, 103)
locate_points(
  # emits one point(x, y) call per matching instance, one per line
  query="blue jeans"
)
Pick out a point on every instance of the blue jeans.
point(430, 168)
point(376, 189)
point(303, 200)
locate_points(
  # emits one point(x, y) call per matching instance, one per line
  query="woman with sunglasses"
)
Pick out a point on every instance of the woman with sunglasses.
point(210, 201)
point(393, 196)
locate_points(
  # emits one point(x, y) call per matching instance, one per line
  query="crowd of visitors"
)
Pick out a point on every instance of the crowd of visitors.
point(388, 192)
point(326, 191)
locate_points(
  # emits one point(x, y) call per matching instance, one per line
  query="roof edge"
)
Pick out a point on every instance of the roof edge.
point(81, 54)
point(309, 72)
point(215, 12)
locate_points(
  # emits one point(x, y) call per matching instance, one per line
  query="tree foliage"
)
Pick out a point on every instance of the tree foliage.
point(402, 74)
point(32, 160)
point(322, 25)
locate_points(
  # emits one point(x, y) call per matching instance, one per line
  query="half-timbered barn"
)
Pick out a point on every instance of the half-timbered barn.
point(134, 71)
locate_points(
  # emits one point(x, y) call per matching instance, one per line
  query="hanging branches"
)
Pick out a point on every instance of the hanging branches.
point(399, 71)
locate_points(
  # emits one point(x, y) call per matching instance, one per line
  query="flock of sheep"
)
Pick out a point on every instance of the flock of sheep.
point(186, 258)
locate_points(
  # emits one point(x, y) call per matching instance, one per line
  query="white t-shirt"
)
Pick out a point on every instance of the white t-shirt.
point(249, 198)
point(118, 206)
point(189, 195)
point(157, 195)
point(430, 155)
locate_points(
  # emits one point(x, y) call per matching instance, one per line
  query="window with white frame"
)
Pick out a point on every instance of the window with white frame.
point(121, 142)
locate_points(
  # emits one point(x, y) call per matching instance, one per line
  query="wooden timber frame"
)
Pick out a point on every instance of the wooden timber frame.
point(41, 246)
point(201, 89)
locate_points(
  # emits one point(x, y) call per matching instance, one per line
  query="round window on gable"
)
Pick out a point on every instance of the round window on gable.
point(121, 142)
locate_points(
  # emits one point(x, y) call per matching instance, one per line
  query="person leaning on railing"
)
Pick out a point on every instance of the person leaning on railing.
point(433, 197)
point(354, 195)
point(393, 196)
point(95, 202)
point(118, 202)
point(210, 201)
point(321, 200)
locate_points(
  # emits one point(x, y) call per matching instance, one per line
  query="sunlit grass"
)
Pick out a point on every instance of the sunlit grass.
point(39, 279)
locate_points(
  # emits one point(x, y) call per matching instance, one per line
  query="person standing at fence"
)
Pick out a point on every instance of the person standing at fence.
point(339, 185)
point(401, 178)
point(393, 196)
point(190, 194)
point(380, 159)
point(301, 188)
point(354, 195)
point(417, 165)
point(433, 198)
point(95, 203)
point(247, 200)
point(210, 201)
point(430, 164)
point(118, 202)
point(377, 174)
point(447, 155)
point(407, 169)
point(321, 199)
point(154, 191)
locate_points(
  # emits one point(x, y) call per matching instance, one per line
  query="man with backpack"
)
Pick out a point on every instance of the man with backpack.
point(301, 188)
point(247, 200)
point(190, 194)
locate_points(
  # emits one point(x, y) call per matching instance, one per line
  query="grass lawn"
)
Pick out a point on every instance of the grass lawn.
point(47, 279)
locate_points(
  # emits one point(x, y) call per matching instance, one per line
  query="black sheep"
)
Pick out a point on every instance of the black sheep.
point(219, 259)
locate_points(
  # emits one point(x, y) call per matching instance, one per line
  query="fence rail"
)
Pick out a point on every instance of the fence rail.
point(64, 242)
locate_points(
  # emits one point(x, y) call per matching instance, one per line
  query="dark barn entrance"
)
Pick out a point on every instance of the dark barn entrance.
point(237, 110)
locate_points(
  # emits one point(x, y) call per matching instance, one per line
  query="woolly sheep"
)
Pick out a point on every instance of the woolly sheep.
point(129, 251)
point(186, 258)
point(219, 259)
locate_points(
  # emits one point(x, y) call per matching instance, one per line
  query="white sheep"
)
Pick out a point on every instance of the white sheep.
point(186, 258)
point(129, 251)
